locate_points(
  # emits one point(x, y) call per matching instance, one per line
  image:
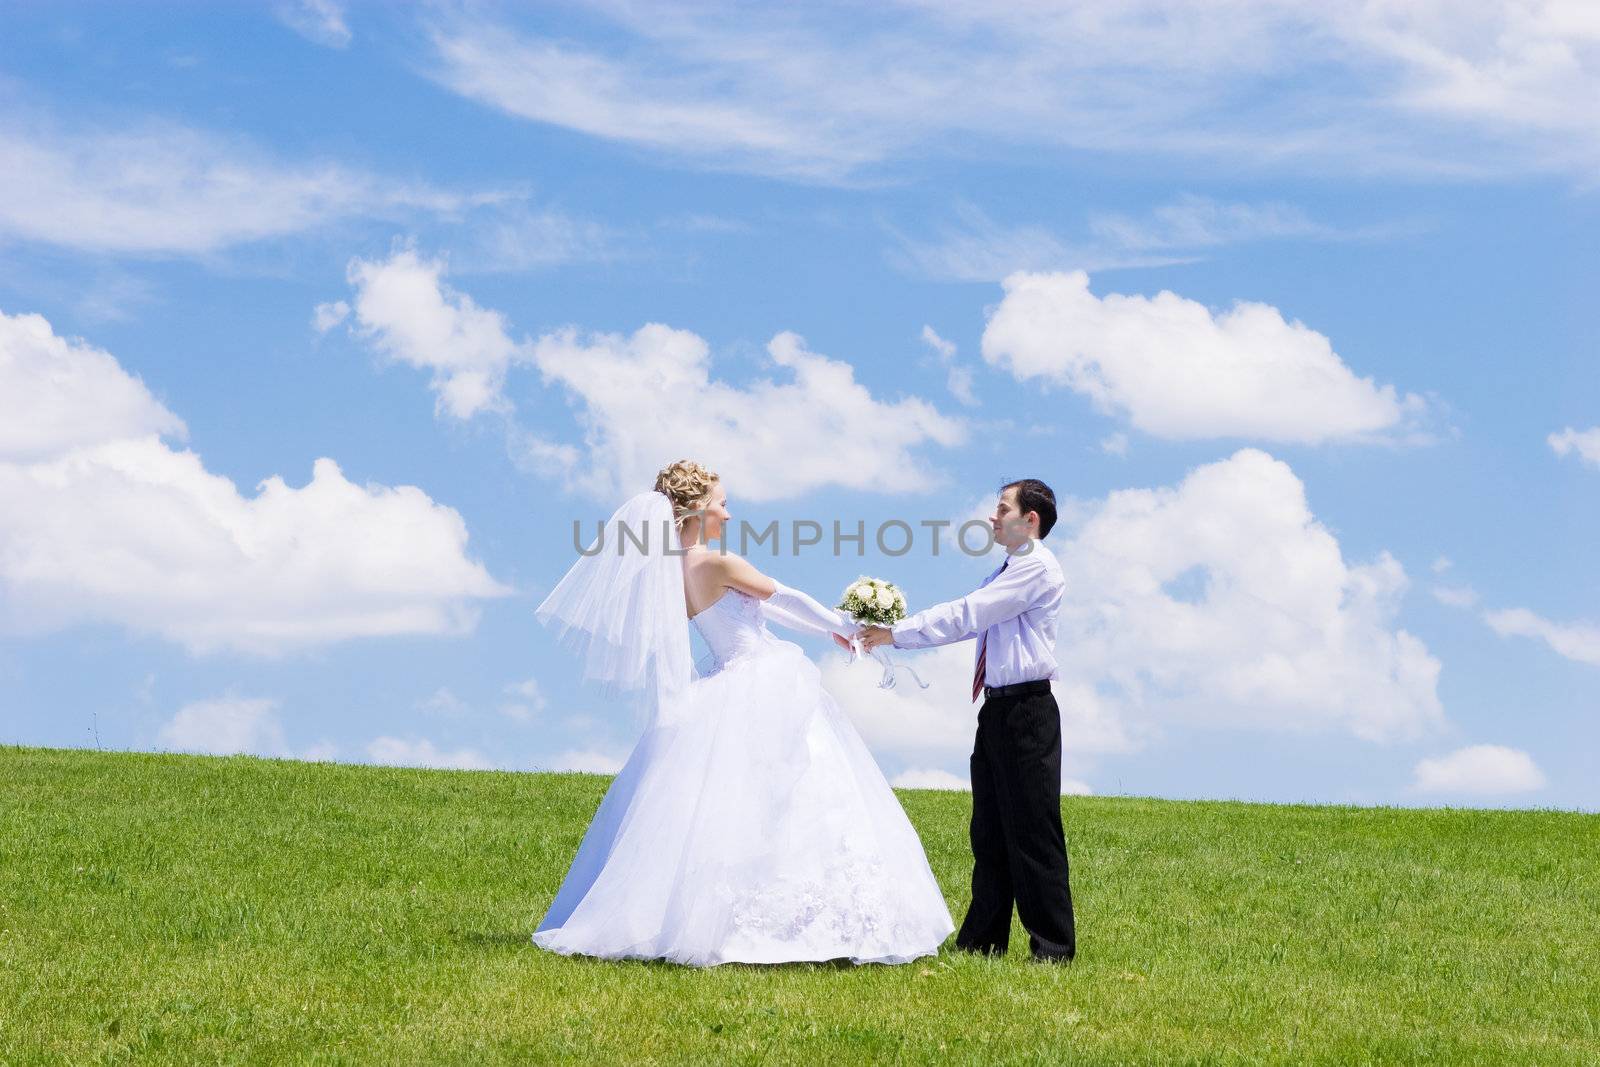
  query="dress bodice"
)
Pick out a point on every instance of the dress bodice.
point(732, 625)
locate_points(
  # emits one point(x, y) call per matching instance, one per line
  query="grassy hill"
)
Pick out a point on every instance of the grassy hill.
point(175, 907)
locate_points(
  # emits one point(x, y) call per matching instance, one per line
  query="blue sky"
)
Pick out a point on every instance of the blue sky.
point(1291, 308)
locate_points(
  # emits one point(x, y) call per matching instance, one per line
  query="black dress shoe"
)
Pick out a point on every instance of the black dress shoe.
point(982, 950)
point(1050, 952)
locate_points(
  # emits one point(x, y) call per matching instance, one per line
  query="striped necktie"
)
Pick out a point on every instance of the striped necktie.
point(983, 648)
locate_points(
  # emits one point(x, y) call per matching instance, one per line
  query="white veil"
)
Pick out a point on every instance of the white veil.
point(621, 607)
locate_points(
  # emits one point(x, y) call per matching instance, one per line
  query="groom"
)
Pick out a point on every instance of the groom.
point(1018, 848)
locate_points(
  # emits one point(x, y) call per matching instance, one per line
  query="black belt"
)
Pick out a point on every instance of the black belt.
point(1016, 689)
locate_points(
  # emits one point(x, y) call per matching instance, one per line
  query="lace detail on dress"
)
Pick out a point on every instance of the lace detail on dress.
point(849, 903)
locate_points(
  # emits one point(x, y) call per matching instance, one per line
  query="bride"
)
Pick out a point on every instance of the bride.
point(749, 824)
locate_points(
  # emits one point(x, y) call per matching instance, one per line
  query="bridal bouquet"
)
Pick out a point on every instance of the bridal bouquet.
point(875, 602)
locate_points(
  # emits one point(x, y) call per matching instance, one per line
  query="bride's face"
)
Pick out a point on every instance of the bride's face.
point(715, 513)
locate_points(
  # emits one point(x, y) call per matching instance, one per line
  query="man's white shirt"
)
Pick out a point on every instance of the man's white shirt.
point(1015, 608)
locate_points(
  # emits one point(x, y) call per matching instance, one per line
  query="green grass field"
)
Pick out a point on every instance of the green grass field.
point(191, 908)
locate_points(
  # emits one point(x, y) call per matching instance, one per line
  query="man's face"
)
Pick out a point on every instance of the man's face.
point(1009, 524)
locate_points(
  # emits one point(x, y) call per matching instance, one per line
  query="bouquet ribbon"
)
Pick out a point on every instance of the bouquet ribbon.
point(890, 667)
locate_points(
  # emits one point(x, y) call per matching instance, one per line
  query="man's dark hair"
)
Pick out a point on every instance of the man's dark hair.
point(1034, 495)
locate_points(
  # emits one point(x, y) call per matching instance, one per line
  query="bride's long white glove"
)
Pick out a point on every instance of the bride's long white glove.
point(798, 611)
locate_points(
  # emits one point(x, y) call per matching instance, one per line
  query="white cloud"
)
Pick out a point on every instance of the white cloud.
point(521, 238)
point(529, 692)
point(921, 778)
point(113, 294)
point(1196, 222)
point(1455, 596)
point(1115, 444)
point(1576, 641)
point(958, 378)
point(405, 309)
point(645, 398)
point(911, 726)
point(58, 394)
point(1220, 603)
point(325, 317)
point(548, 81)
point(1486, 88)
point(945, 349)
point(530, 700)
point(532, 452)
point(318, 21)
point(421, 752)
point(443, 703)
point(226, 726)
point(1441, 564)
point(934, 727)
point(1224, 602)
point(588, 761)
point(1523, 70)
point(1177, 371)
point(650, 395)
point(925, 778)
point(1480, 769)
point(100, 521)
point(230, 725)
point(959, 382)
point(159, 188)
point(974, 247)
point(1586, 443)
point(321, 752)
point(969, 531)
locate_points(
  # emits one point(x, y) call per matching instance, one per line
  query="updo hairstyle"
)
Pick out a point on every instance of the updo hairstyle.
point(688, 485)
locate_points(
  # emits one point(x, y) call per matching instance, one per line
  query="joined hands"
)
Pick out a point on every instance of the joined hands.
point(868, 638)
point(872, 637)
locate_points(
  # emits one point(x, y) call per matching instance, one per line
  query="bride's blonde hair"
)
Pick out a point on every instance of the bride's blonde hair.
point(688, 485)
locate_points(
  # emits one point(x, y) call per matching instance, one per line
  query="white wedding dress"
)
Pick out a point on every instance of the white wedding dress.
point(750, 825)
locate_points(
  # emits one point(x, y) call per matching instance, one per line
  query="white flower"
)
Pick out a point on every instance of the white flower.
point(884, 597)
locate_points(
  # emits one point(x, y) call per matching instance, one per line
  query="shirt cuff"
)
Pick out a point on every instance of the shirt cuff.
point(905, 628)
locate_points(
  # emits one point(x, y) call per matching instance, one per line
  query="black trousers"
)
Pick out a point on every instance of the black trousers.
point(1018, 848)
